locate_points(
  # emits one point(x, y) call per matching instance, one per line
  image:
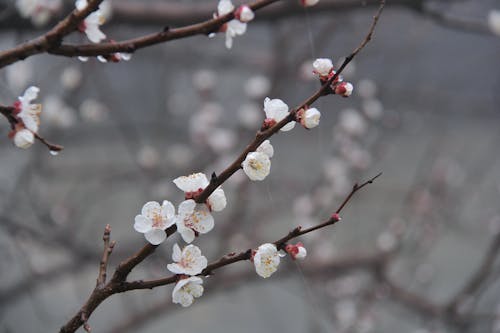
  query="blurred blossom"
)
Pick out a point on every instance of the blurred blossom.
point(422, 202)
point(106, 9)
point(71, 77)
point(305, 71)
point(494, 21)
point(57, 113)
point(250, 116)
point(373, 108)
point(324, 195)
point(92, 110)
point(203, 122)
point(257, 86)
point(344, 286)
point(386, 241)
point(148, 157)
point(39, 11)
point(357, 157)
point(351, 122)
point(204, 80)
point(221, 140)
point(335, 168)
point(424, 273)
point(19, 75)
point(179, 155)
point(448, 172)
point(366, 88)
point(323, 251)
point(162, 189)
point(346, 313)
point(303, 206)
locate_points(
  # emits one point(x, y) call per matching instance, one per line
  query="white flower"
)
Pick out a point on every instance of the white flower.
point(190, 221)
point(189, 261)
point(154, 220)
point(217, 200)
point(256, 165)
point(494, 21)
point(277, 109)
point(24, 138)
point(266, 260)
point(308, 3)
point(297, 251)
point(224, 7)
point(245, 14)
point(322, 66)
point(266, 148)
point(311, 118)
point(352, 122)
point(28, 112)
point(233, 27)
point(195, 183)
point(39, 11)
point(344, 89)
point(186, 290)
point(257, 86)
point(91, 23)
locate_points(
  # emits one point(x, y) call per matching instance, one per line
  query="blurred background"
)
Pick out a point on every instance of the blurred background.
point(415, 252)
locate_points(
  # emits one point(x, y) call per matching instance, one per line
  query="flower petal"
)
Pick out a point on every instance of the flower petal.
point(142, 224)
point(155, 236)
point(176, 253)
point(151, 209)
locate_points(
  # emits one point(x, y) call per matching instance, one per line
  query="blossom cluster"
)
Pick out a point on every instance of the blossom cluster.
point(237, 26)
point(27, 118)
point(323, 67)
point(38, 11)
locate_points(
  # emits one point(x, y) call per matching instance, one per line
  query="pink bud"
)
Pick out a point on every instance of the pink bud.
point(244, 14)
point(335, 217)
point(344, 89)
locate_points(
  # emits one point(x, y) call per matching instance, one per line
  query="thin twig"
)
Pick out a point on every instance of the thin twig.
point(108, 248)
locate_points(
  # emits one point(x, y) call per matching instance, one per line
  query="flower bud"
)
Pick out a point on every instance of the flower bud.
point(344, 89)
point(24, 138)
point(244, 14)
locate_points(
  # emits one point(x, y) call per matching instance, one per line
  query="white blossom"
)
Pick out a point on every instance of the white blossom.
point(277, 109)
point(154, 220)
point(192, 219)
point(186, 290)
point(256, 165)
point(71, 77)
point(266, 260)
point(245, 14)
point(322, 66)
point(297, 251)
point(311, 118)
point(24, 138)
point(189, 261)
point(195, 183)
point(91, 23)
point(39, 11)
point(249, 115)
point(29, 113)
point(494, 21)
point(352, 122)
point(233, 27)
point(217, 200)
point(266, 148)
point(344, 89)
point(257, 86)
point(308, 3)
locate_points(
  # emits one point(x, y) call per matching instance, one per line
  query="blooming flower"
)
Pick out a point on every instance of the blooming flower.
point(297, 251)
point(233, 27)
point(256, 165)
point(115, 57)
point(29, 113)
point(189, 261)
point(308, 3)
point(266, 260)
point(186, 290)
point(24, 138)
point(195, 183)
point(91, 23)
point(191, 221)
point(494, 21)
point(344, 89)
point(323, 67)
point(276, 110)
point(244, 14)
point(309, 118)
point(266, 148)
point(154, 220)
point(39, 11)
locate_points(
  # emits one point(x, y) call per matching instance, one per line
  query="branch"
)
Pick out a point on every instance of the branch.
point(51, 42)
point(118, 282)
point(51, 39)
point(103, 265)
